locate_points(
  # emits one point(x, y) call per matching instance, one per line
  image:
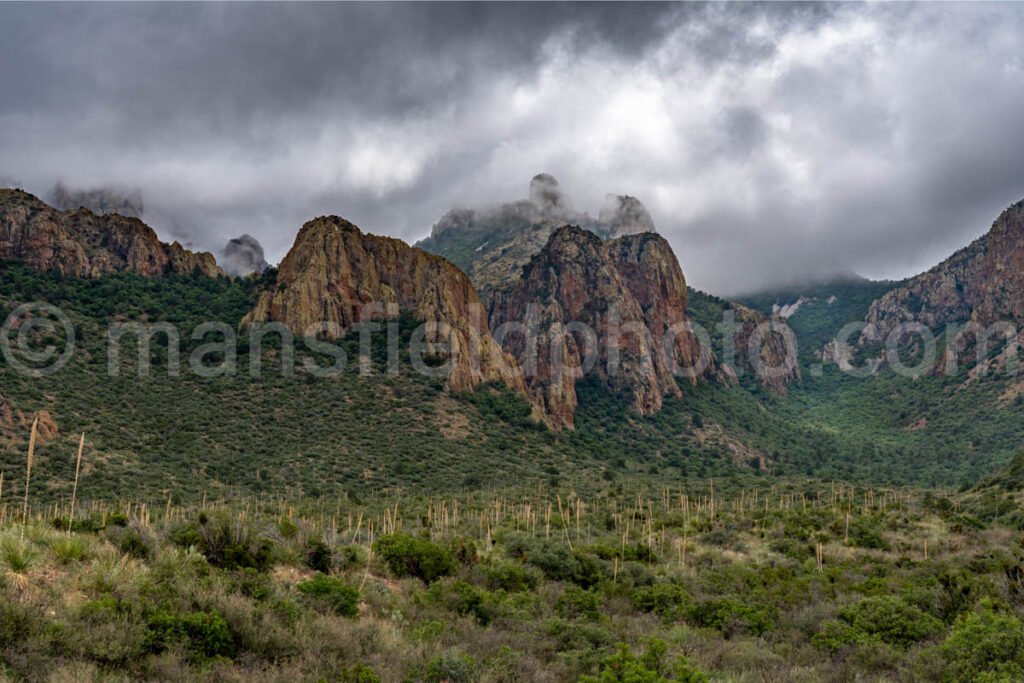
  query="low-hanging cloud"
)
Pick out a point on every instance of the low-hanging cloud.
point(767, 142)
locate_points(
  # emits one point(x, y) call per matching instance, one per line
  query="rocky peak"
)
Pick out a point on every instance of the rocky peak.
point(336, 274)
point(629, 292)
point(85, 244)
point(983, 282)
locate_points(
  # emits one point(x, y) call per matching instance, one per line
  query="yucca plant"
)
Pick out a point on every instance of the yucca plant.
point(70, 549)
point(17, 554)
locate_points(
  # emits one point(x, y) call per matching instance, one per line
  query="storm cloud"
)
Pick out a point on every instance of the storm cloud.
point(768, 142)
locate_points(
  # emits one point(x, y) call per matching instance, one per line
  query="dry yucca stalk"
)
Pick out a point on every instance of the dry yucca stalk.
point(74, 488)
point(28, 472)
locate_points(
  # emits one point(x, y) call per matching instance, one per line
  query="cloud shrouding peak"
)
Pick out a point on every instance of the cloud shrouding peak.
point(243, 256)
point(767, 141)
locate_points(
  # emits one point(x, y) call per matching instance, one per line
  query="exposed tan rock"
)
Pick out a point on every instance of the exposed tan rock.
point(83, 244)
point(337, 275)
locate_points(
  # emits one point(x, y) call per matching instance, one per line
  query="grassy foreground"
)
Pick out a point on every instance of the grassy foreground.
point(802, 581)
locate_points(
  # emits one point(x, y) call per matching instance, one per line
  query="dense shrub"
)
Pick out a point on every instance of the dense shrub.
point(359, 673)
point(131, 540)
point(865, 533)
point(510, 576)
point(984, 646)
point(333, 593)
point(732, 616)
point(664, 599)
point(576, 603)
point(408, 555)
point(650, 667)
point(464, 599)
point(204, 634)
point(226, 543)
point(558, 562)
point(891, 620)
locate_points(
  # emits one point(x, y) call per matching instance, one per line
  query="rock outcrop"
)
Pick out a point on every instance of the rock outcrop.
point(983, 283)
point(84, 244)
point(583, 306)
point(337, 275)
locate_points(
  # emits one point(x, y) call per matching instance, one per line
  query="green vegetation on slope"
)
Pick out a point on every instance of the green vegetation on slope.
point(825, 308)
point(302, 435)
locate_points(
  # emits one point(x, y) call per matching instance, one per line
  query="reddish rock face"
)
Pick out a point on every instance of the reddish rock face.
point(983, 282)
point(83, 244)
point(333, 271)
point(628, 291)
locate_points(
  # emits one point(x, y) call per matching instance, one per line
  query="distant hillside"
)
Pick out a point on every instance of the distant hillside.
point(816, 312)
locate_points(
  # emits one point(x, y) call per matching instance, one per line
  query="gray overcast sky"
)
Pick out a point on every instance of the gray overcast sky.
point(768, 141)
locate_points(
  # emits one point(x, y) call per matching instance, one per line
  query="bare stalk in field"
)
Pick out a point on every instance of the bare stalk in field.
point(74, 489)
point(28, 472)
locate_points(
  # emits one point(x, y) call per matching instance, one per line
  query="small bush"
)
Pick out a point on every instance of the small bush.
point(68, 549)
point(464, 599)
point(450, 668)
point(319, 556)
point(131, 540)
point(359, 673)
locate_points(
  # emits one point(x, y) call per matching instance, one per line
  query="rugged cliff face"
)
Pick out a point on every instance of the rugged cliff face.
point(983, 282)
point(597, 307)
point(336, 274)
point(84, 244)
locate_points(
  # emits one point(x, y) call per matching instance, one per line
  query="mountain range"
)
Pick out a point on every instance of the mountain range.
point(616, 372)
